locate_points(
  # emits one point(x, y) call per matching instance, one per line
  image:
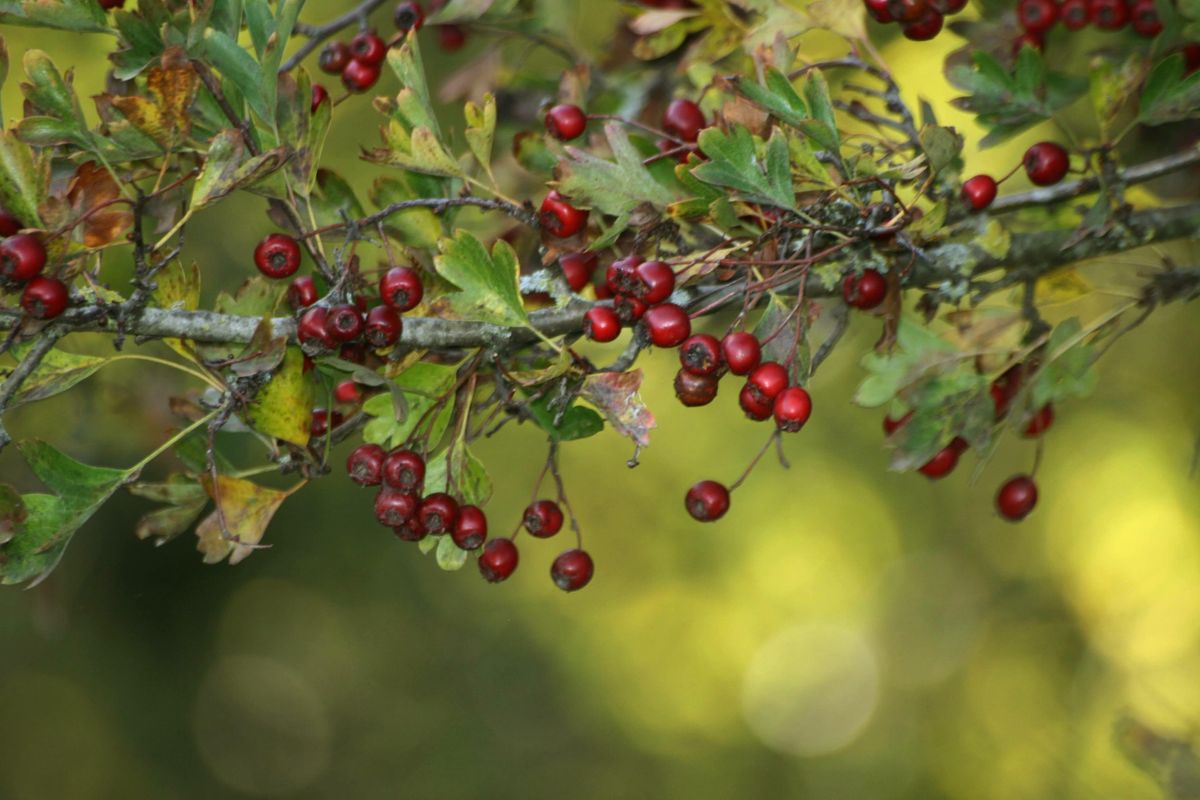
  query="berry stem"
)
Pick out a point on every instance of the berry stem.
point(762, 451)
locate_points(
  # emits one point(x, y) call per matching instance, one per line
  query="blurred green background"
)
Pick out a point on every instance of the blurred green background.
point(844, 632)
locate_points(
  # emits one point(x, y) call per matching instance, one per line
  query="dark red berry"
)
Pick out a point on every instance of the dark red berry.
point(383, 327)
point(368, 48)
point(565, 122)
point(1046, 163)
point(323, 420)
point(741, 351)
point(404, 470)
point(767, 381)
point(451, 38)
point(22, 257)
point(1037, 16)
point(891, 425)
point(701, 355)
point(393, 507)
point(334, 58)
point(1191, 58)
point(865, 291)
point(1144, 16)
point(979, 192)
point(948, 7)
point(353, 352)
point(621, 275)
point(9, 224)
point(319, 95)
point(653, 282)
point(360, 76)
point(1075, 14)
point(109, 5)
point(628, 308)
point(470, 529)
point(408, 16)
point(1109, 15)
point(313, 331)
point(942, 464)
point(903, 11)
point(543, 518)
point(577, 269)
point(707, 501)
point(365, 464)
point(683, 119)
point(924, 28)
point(498, 560)
point(601, 324)
point(756, 407)
point(344, 323)
point(410, 530)
point(347, 393)
point(668, 325)
point(572, 570)
point(45, 298)
point(600, 287)
point(438, 512)
point(277, 256)
point(559, 218)
point(1016, 498)
point(1041, 421)
point(878, 9)
point(401, 288)
point(695, 390)
point(793, 406)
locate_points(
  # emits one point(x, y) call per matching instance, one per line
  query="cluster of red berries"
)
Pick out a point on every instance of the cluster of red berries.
point(402, 505)
point(22, 259)
point(919, 20)
point(359, 63)
point(1037, 17)
point(1045, 163)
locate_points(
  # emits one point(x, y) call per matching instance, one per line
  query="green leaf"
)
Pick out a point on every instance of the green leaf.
point(48, 92)
point(825, 131)
point(84, 16)
point(1111, 87)
point(1069, 370)
point(240, 69)
point(57, 372)
point(414, 99)
point(530, 151)
point(942, 146)
point(283, 408)
point(1168, 96)
point(488, 284)
point(421, 385)
point(778, 97)
point(22, 180)
point(917, 350)
point(184, 497)
point(449, 555)
point(614, 187)
point(226, 168)
point(333, 197)
point(468, 478)
point(578, 422)
point(415, 227)
point(12, 512)
point(734, 163)
point(481, 129)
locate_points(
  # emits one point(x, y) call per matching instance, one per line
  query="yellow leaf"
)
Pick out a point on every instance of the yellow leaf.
point(165, 116)
point(247, 509)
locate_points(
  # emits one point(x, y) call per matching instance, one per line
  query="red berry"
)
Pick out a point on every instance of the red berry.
point(313, 331)
point(767, 381)
point(924, 28)
point(470, 529)
point(683, 119)
point(334, 58)
point(438, 513)
point(979, 192)
point(707, 501)
point(451, 37)
point(323, 420)
point(345, 322)
point(1145, 19)
point(577, 269)
point(572, 570)
point(601, 289)
point(401, 288)
point(653, 282)
point(566, 122)
point(1109, 15)
point(668, 325)
point(543, 518)
point(907, 10)
point(890, 425)
point(878, 9)
point(368, 48)
point(695, 390)
point(319, 95)
point(1046, 163)
point(621, 275)
point(1040, 422)
point(277, 256)
point(408, 16)
point(701, 355)
point(360, 76)
point(600, 324)
point(628, 308)
point(353, 352)
point(109, 5)
point(1075, 14)
point(365, 464)
point(756, 407)
point(383, 327)
point(404, 470)
point(22, 257)
point(793, 406)
point(559, 218)
point(410, 530)
point(1016, 498)
point(45, 298)
point(942, 464)
point(498, 560)
point(9, 224)
point(1037, 16)
point(393, 507)
point(1191, 58)
point(347, 393)
point(741, 351)
point(864, 291)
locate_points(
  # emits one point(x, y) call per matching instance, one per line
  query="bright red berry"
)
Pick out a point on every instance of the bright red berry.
point(865, 291)
point(566, 122)
point(45, 298)
point(408, 16)
point(344, 323)
point(359, 76)
point(498, 560)
point(451, 38)
point(741, 351)
point(1075, 14)
point(347, 393)
point(319, 95)
point(1016, 498)
point(767, 381)
point(653, 282)
point(793, 406)
point(577, 269)
point(470, 529)
point(1041, 421)
point(393, 507)
point(543, 518)
point(1109, 15)
point(924, 27)
point(601, 324)
point(1144, 16)
point(707, 501)
point(401, 288)
point(891, 425)
point(942, 464)
point(683, 119)
point(437, 513)
point(628, 308)
point(755, 405)
point(334, 58)
point(668, 325)
point(1037, 16)
point(277, 256)
point(979, 192)
point(559, 218)
point(695, 390)
point(22, 257)
point(878, 9)
point(383, 327)
point(313, 331)
point(572, 570)
point(1046, 163)
point(368, 48)
point(621, 275)
point(302, 292)
point(323, 420)
point(404, 470)
point(701, 355)
point(9, 224)
point(365, 464)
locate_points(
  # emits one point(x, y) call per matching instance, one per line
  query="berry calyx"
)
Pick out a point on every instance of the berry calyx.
point(793, 406)
point(438, 513)
point(601, 324)
point(668, 325)
point(628, 308)
point(22, 257)
point(498, 560)
point(621, 275)
point(559, 218)
point(401, 288)
point(1046, 163)
point(566, 122)
point(359, 76)
point(277, 256)
point(695, 390)
point(470, 529)
point(344, 323)
point(368, 48)
point(313, 331)
point(543, 518)
point(767, 381)
point(334, 58)
point(979, 191)
point(653, 282)
point(1016, 498)
point(383, 327)
point(408, 16)
point(741, 351)
point(701, 355)
point(577, 269)
point(365, 464)
point(865, 291)
point(45, 298)
point(394, 507)
point(924, 28)
point(683, 119)
point(1040, 422)
point(1037, 16)
point(1109, 15)
point(942, 464)
point(572, 570)
point(707, 501)
point(404, 471)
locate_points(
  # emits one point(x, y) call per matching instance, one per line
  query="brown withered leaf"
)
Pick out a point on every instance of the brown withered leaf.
point(164, 115)
point(741, 111)
point(90, 192)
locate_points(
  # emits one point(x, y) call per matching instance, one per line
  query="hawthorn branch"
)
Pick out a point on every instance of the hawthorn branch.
point(318, 34)
point(438, 205)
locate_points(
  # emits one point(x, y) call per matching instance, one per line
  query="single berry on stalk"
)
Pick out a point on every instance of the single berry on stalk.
point(404, 470)
point(401, 288)
point(695, 390)
point(393, 507)
point(438, 512)
point(470, 529)
point(601, 324)
point(1016, 498)
point(498, 560)
point(701, 355)
point(559, 218)
point(365, 464)
point(667, 324)
point(277, 256)
point(979, 192)
point(22, 257)
point(543, 518)
point(707, 501)
point(865, 291)
point(572, 570)
point(566, 122)
point(793, 406)
point(45, 297)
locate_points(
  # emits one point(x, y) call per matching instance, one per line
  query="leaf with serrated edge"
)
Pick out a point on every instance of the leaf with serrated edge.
point(614, 187)
point(488, 288)
point(283, 408)
point(247, 509)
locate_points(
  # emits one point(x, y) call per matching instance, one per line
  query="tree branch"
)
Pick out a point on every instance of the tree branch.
point(317, 35)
